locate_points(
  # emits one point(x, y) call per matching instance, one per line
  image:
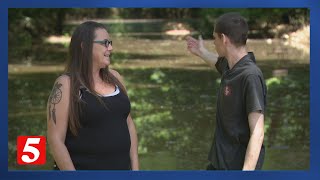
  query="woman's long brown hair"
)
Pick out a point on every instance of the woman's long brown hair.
point(79, 69)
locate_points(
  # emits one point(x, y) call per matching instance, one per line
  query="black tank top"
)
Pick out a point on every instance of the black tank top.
point(103, 141)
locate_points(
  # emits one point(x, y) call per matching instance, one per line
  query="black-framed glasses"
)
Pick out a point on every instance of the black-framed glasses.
point(105, 42)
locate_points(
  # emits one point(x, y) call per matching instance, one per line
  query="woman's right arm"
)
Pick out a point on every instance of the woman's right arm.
point(57, 122)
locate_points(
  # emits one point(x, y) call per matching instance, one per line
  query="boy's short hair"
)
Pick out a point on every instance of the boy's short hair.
point(234, 26)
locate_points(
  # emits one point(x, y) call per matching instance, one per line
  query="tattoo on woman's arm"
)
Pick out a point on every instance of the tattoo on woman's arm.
point(55, 98)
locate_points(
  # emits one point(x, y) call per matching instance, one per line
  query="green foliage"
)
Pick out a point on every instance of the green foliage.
point(157, 76)
point(291, 92)
point(27, 31)
point(262, 20)
point(273, 81)
point(51, 21)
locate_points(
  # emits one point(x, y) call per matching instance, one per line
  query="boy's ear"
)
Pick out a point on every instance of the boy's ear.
point(225, 38)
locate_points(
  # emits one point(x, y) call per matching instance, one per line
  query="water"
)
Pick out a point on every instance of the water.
point(174, 111)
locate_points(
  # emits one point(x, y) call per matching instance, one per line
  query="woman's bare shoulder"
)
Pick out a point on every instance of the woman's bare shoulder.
point(115, 73)
point(63, 80)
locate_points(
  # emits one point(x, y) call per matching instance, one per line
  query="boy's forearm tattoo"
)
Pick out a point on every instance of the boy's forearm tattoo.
point(55, 98)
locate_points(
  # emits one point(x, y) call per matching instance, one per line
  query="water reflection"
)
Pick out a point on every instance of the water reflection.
point(174, 111)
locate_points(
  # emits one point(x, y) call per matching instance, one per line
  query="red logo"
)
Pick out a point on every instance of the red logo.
point(227, 91)
point(31, 150)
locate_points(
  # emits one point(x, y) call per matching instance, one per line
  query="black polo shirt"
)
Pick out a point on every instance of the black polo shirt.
point(242, 91)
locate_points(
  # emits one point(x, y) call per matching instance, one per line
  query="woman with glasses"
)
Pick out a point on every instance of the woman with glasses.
point(88, 121)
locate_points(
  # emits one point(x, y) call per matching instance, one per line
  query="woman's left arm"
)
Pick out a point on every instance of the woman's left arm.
point(134, 144)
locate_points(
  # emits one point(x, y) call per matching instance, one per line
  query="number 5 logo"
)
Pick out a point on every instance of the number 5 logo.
point(31, 150)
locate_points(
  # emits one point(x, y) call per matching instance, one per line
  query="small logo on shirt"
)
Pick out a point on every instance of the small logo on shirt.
point(227, 91)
